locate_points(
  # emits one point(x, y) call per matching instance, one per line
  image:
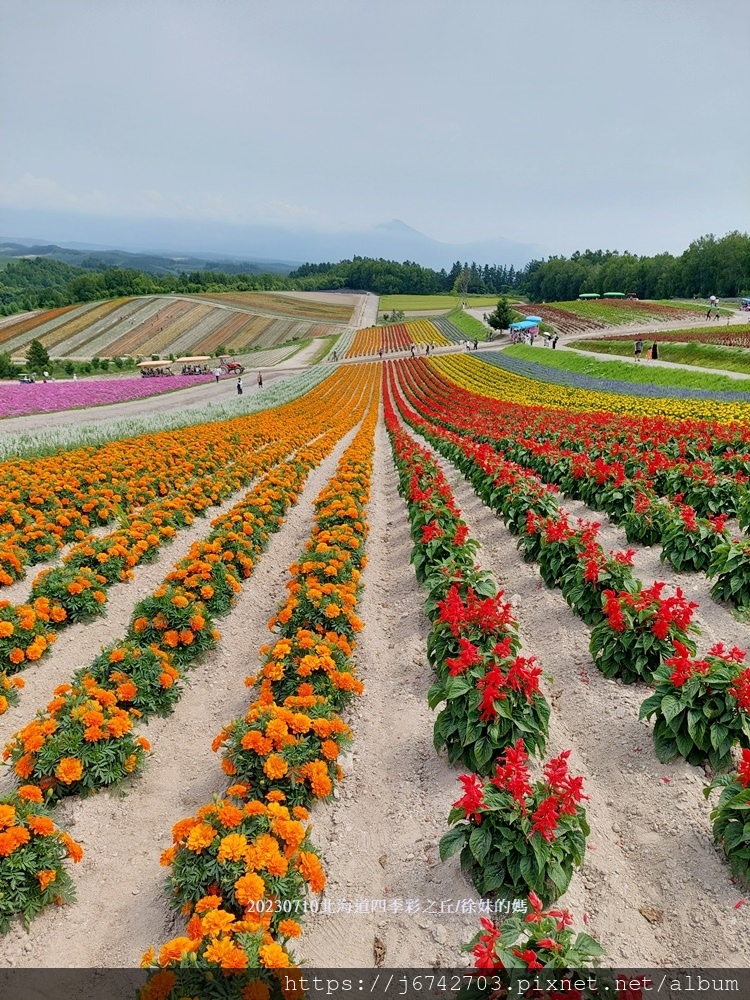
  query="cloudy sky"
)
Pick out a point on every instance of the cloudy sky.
point(565, 123)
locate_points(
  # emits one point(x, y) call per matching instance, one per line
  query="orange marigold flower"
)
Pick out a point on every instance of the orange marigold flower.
point(171, 638)
point(147, 958)
point(41, 825)
point(24, 765)
point(179, 601)
point(309, 867)
point(7, 815)
point(273, 956)
point(92, 734)
point(197, 622)
point(255, 740)
point(226, 954)
point(46, 877)
point(200, 837)
point(16, 655)
point(249, 888)
point(216, 922)
point(143, 743)
point(300, 812)
point(275, 766)
point(117, 655)
point(167, 856)
point(166, 680)
point(6, 629)
point(256, 990)
point(329, 749)
point(126, 691)
point(289, 928)
point(69, 770)
point(255, 808)
point(232, 847)
point(74, 849)
point(206, 903)
point(140, 624)
point(130, 763)
point(229, 815)
point(228, 767)
point(173, 950)
point(159, 986)
point(182, 828)
point(237, 791)
point(30, 793)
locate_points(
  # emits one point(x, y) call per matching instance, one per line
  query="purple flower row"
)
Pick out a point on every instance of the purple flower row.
point(41, 397)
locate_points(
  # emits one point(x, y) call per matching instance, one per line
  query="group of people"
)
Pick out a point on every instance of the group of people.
point(239, 383)
point(155, 372)
point(652, 353)
point(194, 370)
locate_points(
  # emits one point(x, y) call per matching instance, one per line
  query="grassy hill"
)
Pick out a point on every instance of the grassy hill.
point(167, 324)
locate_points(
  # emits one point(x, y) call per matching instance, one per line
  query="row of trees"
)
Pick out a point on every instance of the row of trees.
point(709, 266)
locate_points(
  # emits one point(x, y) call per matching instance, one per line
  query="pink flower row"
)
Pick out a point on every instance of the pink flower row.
point(41, 397)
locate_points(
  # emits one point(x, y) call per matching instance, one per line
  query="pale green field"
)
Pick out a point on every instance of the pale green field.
point(413, 303)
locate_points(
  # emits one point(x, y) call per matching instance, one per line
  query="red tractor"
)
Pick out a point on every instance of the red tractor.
point(230, 367)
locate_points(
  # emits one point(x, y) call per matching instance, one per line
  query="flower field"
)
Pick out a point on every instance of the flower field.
point(170, 324)
point(291, 682)
point(395, 337)
point(41, 397)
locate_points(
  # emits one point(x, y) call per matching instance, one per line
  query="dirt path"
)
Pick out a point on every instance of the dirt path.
point(379, 838)
point(123, 836)
point(651, 843)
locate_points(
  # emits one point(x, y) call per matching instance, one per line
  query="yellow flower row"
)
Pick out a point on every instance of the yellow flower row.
point(496, 383)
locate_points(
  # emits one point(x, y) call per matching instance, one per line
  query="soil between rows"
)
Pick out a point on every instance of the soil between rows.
point(651, 844)
point(122, 908)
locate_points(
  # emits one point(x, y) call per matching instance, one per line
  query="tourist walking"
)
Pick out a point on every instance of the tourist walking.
point(217, 372)
point(638, 349)
point(654, 352)
point(239, 386)
point(260, 381)
point(554, 341)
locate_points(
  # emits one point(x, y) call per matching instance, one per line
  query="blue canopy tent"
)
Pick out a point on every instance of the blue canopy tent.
point(524, 324)
point(533, 319)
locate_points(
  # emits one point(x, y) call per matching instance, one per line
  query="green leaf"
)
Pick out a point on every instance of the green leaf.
point(480, 842)
point(453, 841)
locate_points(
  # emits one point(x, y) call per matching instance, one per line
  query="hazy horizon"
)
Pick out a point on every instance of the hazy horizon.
point(550, 126)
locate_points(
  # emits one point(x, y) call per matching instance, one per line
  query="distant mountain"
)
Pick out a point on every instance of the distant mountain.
point(151, 263)
point(259, 245)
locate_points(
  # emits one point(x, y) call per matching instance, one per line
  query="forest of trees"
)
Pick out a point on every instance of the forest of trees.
point(710, 266)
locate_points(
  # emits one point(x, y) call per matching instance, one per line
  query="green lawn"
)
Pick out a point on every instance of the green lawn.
point(413, 303)
point(731, 359)
point(474, 329)
point(628, 371)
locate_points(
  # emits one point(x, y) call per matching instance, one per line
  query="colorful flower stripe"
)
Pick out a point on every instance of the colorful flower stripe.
point(513, 836)
point(84, 740)
point(474, 374)
point(630, 489)
point(21, 400)
point(48, 502)
point(636, 631)
point(77, 590)
point(240, 868)
point(395, 337)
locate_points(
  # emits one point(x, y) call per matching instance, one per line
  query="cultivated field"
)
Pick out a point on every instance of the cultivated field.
point(165, 325)
point(422, 650)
